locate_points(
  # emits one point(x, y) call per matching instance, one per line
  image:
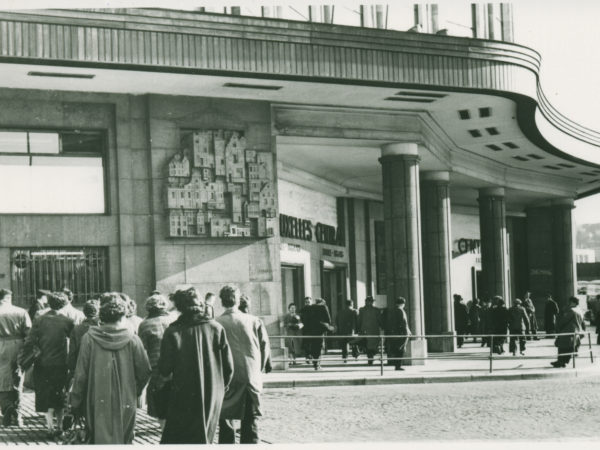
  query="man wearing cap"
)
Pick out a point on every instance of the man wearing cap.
point(571, 321)
point(14, 327)
point(518, 327)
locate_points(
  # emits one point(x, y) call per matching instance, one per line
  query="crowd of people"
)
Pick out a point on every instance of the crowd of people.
point(199, 372)
point(314, 320)
point(491, 317)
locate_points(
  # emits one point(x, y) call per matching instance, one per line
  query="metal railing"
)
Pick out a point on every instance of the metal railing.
point(381, 355)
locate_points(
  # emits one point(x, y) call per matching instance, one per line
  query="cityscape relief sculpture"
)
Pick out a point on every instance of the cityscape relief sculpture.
point(217, 187)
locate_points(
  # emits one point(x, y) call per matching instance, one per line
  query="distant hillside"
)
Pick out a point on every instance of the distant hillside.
point(588, 235)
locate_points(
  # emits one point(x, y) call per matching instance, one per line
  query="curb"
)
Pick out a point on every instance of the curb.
point(441, 378)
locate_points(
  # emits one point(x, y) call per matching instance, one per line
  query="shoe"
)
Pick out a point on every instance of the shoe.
point(556, 364)
point(399, 368)
point(317, 366)
point(514, 353)
point(345, 360)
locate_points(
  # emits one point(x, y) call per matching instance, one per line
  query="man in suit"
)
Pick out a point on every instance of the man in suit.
point(518, 326)
point(317, 322)
point(249, 344)
point(347, 321)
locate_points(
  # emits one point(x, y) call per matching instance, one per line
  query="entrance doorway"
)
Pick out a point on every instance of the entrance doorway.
point(333, 289)
point(292, 286)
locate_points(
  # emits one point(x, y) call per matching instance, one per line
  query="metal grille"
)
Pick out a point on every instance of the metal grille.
point(83, 270)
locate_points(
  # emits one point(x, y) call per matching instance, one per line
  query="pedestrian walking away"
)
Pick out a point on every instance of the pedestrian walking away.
point(499, 317)
point(461, 320)
point(49, 338)
point(196, 367)
point(518, 326)
point(571, 321)
point(15, 325)
point(347, 324)
point(397, 325)
point(486, 322)
point(305, 343)
point(530, 309)
point(317, 322)
point(475, 318)
point(250, 349)
point(370, 323)
point(151, 332)
point(91, 310)
point(112, 370)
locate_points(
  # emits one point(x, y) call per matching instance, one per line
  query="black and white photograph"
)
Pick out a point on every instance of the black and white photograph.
point(336, 224)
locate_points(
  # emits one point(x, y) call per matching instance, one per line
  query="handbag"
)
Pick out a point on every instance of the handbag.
point(75, 431)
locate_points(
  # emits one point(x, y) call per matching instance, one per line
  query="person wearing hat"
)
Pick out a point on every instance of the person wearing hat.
point(499, 324)
point(112, 370)
point(151, 332)
point(571, 321)
point(91, 310)
point(518, 327)
point(14, 327)
point(370, 324)
point(397, 325)
point(50, 335)
point(195, 354)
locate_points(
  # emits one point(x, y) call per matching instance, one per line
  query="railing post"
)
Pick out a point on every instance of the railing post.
point(381, 353)
point(574, 344)
point(590, 347)
point(491, 351)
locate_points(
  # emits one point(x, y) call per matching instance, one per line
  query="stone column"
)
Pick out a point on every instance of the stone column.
point(492, 224)
point(562, 241)
point(400, 168)
point(437, 255)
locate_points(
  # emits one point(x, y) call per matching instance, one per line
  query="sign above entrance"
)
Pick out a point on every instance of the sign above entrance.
point(292, 227)
point(469, 245)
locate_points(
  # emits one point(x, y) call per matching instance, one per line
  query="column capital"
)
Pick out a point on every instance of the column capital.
point(492, 192)
point(400, 149)
point(435, 175)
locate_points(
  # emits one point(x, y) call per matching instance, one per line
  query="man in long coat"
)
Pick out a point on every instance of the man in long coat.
point(249, 345)
point(571, 321)
point(14, 327)
point(550, 314)
point(499, 317)
point(316, 322)
point(369, 323)
point(397, 324)
point(347, 322)
point(112, 370)
point(486, 321)
point(461, 320)
point(518, 324)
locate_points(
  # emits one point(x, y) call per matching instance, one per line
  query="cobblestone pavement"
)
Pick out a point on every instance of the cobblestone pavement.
point(529, 410)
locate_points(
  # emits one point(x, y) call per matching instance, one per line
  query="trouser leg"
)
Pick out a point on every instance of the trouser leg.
point(522, 343)
point(249, 425)
point(226, 432)
point(344, 346)
point(512, 346)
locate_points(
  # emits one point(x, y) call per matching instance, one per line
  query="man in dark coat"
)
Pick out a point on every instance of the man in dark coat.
point(486, 321)
point(317, 322)
point(196, 357)
point(518, 324)
point(530, 309)
point(369, 324)
point(347, 323)
point(251, 352)
point(499, 318)
point(550, 315)
point(571, 321)
point(303, 314)
point(397, 324)
point(461, 320)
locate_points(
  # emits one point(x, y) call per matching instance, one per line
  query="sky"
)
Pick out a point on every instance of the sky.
point(566, 34)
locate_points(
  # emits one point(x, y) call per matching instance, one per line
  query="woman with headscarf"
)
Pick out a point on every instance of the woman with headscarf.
point(50, 336)
point(196, 358)
point(112, 370)
point(151, 332)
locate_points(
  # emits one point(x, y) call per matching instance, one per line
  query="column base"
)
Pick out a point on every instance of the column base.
point(416, 348)
point(442, 344)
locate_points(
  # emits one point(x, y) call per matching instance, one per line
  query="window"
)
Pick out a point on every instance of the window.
point(52, 172)
point(83, 270)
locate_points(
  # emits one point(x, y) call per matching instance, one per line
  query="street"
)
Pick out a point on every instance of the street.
point(530, 410)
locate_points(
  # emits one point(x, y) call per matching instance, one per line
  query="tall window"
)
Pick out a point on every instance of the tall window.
point(52, 172)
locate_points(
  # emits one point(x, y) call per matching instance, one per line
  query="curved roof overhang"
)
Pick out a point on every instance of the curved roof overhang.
point(175, 42)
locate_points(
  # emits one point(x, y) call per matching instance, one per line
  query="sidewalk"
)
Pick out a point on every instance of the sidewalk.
point(470, 363)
